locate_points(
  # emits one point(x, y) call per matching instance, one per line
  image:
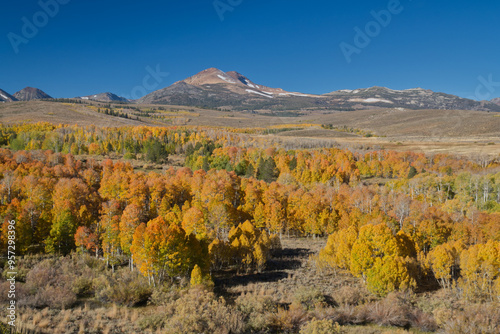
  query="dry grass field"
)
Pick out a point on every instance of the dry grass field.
point(430, 131)
point(289, 293)
point(58, 113)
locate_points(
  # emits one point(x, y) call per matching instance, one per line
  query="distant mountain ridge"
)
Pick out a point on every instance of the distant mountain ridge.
point(30, 93)
point(214, 88)
point(105, 97)
point(415, 98)
point(6, 97)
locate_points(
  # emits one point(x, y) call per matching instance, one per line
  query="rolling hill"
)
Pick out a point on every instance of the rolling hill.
point(30, 93)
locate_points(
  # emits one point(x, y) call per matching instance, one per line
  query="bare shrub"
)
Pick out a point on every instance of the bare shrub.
point(56, 283)
point(475, 319)
point(256, 308)
point(288, 321)
point(164, 295)
point(308, 297)
point(442, 315)
point(56, 296)
point(384, 313)
point(350, 295)
point(397, 309)
point(199, 311)
point(124, 288)
point(153, 321)
point(4, 291)
point(423, 321)
point(24, 265)
point(321, 327)
point(82, 286)
point(347, 314)
point(47, 285)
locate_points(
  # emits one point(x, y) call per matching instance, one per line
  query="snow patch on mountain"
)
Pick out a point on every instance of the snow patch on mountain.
point(259, 93)
point(249, 84)
point(225, 79)
point(297, 94)
point(371, 100)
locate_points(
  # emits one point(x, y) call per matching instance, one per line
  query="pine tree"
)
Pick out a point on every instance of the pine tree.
point(412, 173)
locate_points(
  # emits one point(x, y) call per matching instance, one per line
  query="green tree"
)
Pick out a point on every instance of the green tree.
point(62, 233)
point(267, 170)
point(412, 172)
point(155, 151)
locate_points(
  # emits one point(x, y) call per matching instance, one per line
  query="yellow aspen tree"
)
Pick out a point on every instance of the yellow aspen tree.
point(194, 222)
point(337, 252)
point(389, 274)
point(130, 219)
point(470, 264)
point(442, 258)
point(196, 276)
point(260, 257)
point(379, 258)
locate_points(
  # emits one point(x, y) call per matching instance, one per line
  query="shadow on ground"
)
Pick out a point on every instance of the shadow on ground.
point(277, 268)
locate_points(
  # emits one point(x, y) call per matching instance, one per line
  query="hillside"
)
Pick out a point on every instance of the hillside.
point(6, 97)
point(416, 98)
point(213, 88)
point(105, 97)
point(57, 113)
point(30, 93)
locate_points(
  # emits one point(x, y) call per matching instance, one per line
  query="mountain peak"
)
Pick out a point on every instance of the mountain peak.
point(105, 97)
point(209, 76)
point(379, 88)
point(30, 93)
point(6, 97)
point(242, 79)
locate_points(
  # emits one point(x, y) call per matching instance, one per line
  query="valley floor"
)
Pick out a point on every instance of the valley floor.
point(462, 132)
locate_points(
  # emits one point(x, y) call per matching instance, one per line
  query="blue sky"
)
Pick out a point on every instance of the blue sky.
point(97, 46)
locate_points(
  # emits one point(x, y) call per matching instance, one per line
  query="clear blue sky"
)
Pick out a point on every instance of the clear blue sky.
point(97, 46)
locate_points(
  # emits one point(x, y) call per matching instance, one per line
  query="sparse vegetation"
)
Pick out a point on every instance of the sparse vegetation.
point(347, 129)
